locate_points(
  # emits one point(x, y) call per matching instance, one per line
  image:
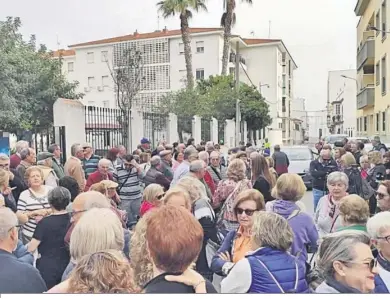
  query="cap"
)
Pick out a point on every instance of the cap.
point(144, 140)
point(109, 184)
point(44, 155)
point(165, 152)
point(86, 144)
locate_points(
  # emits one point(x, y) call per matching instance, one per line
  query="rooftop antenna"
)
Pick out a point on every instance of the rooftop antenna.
point(58, 42)
point(269, 29)
point(252, 33)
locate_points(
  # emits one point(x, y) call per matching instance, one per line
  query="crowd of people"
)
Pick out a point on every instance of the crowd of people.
point(186, 218)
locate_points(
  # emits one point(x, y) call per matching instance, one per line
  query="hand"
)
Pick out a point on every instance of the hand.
point(7, 191)
point(134, 163)
point(189, 277)
point(225, 256)
point(11, 176)
point(41, 212)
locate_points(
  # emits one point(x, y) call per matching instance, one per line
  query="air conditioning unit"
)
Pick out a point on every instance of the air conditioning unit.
point(100, 88)
point(87, 89)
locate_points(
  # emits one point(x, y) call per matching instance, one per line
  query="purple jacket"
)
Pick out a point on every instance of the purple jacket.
point(305, 231)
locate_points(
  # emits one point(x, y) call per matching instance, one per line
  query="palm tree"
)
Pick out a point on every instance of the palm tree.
point(170, 8)
point(228, 20)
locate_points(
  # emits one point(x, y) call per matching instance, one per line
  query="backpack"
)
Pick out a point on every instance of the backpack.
point(355, 184)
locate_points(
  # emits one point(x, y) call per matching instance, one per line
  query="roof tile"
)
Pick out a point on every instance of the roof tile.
point(63, 53)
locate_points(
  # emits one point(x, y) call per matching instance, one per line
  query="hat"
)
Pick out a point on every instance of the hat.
point(109, 184)
point(86, 144)
point(44, 155)
point(144, 140)
point(164, 153)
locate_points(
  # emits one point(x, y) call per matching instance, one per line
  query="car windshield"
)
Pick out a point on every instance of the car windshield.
point(333, 138)
point(362, 140)
point(298, 154)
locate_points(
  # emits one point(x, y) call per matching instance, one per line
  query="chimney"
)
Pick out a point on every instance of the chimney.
point(165, 30)
point(136, 33)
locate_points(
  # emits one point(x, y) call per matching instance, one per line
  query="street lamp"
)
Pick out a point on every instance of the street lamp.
point(350, 78)
point(261, 85)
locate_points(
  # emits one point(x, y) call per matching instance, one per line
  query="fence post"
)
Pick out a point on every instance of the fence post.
point(214, 130)
point(70, 114)
point(137, 128)
point(245, 136)
point(197, 129)
point(173, 135)
point(230, 129)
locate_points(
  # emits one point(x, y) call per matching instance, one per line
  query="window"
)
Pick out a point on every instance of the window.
point(384, 121)
point(289, 68)
point(105, 81)
point(378, 21)
point(358, 123)
point(91, 82)
point(90, 57)
point(384, 25)
point(199, 74)
point(296, 127)
point(337, 109)
point(70, 67)
point(181, 48)
point(365, 124)
point(106, 104)
point(283, 104)
point(377, 122)
point(104, 56)
point(378, 73)
point(199, 47)
point(384, 71)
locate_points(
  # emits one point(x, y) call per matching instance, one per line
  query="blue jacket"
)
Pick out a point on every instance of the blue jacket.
point(380, 286)
point(282, 266)
point(23, 255)
point(227, 245)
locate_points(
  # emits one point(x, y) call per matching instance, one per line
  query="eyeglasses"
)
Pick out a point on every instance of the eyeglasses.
point(371, 264)
point(4, 165)
point(74, 213)
point(247, 212)
point(387, 238)
point(160, 196)
point(380, 195)
point(15, 226)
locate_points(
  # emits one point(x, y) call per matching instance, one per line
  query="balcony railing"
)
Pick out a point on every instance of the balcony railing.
point(366, 97)
point(366, 53)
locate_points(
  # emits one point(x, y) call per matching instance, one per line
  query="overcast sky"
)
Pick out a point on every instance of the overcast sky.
point(320, 34)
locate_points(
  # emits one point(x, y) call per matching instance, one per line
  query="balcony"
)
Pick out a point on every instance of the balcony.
point(366, 55)
point(361, 7)
point(366, 97)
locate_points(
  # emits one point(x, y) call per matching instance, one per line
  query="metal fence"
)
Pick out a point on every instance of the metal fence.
point(155, 127)
point(43, 138)
point(106, 128)
point(205, 129)
point(184, 127)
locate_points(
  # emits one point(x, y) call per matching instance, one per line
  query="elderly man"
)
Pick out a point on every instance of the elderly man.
point(154, 174)
point(166, 164)
point(102, 173)
point(28, 157)
point(378, 145)
point(198, 171)
point(190, 154)
point(90, 160)
point(204, 156)
point(319, 170)
point(181, 148)
point(45, 163)
point(15, 277)
point(74, 168)
point(15, 158)
point(281, 161)
point(217, 171)
point(16, 184)
point(57, 167)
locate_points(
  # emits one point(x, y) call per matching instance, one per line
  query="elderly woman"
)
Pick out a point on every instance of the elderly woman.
point(289, 189)
point(178, 158)
point(227, 192)
point(238, 243)
point(327, 213)
point(270, 268)
point(346, 263)
point(49, 237)
point(173, 251)
point(153, 194)
point(354, 213)
point(364, 166)
point(33, 202)
point(97, 229)
point(178, 197)
point(383, 196)
point(378, 228)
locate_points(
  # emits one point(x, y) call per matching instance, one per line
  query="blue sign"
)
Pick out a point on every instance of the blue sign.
point(4, 145)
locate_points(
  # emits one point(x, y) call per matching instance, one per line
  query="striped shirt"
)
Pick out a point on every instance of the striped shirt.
point(128, 182)
point(29, 202)
point(90, 165)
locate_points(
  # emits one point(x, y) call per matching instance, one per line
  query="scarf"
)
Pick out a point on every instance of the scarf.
point(385, 264)
point(341, 288)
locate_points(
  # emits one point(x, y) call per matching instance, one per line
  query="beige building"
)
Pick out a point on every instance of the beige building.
point(372, 63)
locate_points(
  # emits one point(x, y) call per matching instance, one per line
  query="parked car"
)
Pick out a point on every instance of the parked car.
point(300, 158)
point(331, 139)
point(364, 140)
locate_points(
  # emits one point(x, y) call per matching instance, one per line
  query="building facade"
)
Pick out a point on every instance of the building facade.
point(318, 125)
point(265, 63)
point(342, 89)
point(372, 62)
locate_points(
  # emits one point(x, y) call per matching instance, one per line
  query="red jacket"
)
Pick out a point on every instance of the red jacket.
point(210, 182)
point(14, 161)
point(96, 177)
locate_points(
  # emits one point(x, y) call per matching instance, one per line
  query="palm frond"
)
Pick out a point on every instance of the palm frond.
point(234, 19)
point(223, 19)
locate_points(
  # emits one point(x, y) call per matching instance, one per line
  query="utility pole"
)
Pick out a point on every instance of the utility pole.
point(237, 87)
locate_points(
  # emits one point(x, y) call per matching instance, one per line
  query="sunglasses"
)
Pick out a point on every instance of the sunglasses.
point(380, 195)
point(161, 196)
point(387, 238)
point(371, 264)
point(247, 212)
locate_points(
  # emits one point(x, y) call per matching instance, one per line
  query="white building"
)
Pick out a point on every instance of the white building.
point(342, 90)
point(266, 63)
point(299, 118)
point(317, 123)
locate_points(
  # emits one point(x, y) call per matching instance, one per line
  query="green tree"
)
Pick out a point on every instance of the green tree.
point(228, 20)
point(30, 82)
point(184, 8)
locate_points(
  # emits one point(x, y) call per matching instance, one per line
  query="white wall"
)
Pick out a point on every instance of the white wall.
point(316, 121)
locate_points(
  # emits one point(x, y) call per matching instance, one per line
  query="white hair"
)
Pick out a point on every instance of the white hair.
point(377, 224)
point(338, 177)
point(204, 156)
point(8, 220)
point(104, 162)
point(21, 144)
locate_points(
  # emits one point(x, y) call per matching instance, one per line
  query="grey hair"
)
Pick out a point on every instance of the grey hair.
point(196, 165)
point(377, 224)
point(189, 151)
point(74, 148)
point(193, 187)
point(8, 220)
point(155, 160)
point(271, 230)
point(20, 145)
point(338, 177)
point(24, 153)
point(52, 148)
point(104, 161)
point(214, 154)
point(204, 156)
point(4, 157)
point(59, 198)
point(338, 246)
